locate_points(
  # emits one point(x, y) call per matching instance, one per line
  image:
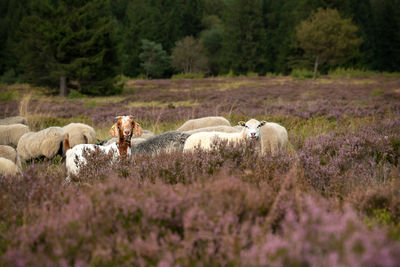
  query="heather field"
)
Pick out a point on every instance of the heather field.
point(331, 199)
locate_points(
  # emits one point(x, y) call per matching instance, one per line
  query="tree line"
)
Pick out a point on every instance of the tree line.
point(85, 44)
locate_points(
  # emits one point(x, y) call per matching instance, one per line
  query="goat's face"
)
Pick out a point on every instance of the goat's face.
point(125, 127)
point(252, 128)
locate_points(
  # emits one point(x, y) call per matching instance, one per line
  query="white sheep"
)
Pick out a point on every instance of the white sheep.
point(8, 168)
point(273, 137)
point(74, 157)
point(10, 134)
point(47, 142)
point(203, 122)
point(13, 120)
point(10, 153)
point(204, 140)
point(220, 128)
point(80, 133)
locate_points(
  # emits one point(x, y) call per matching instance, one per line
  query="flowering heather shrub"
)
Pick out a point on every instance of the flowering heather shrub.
point(224, 221)
point(333, 199)
point(334, 163)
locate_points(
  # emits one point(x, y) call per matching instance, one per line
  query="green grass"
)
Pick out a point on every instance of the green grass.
point(302, 74)
point(8, 95)
point(187, 76)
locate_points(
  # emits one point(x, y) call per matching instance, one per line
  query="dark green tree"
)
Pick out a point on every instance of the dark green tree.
point(326, 37)
point(386, 14)
point(212, 39)
point(244, 36)
point(163, 22)
point(11, 14)
point(68, 40)
point(154, 60)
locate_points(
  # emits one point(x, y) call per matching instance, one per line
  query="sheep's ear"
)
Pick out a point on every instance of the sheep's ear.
point(113, 131)
point(262, 123)
point(241, 123)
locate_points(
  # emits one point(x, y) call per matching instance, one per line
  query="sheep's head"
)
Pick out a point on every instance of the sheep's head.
point(252, 128)
point(125, 127)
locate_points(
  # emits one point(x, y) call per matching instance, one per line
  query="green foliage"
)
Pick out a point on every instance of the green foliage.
point(154, 59)
point(341, 72)
point(10, 77)
point(163, 22)
point(326, 37)
point(74, 94)
point(75, 40)
point(301, 74)
point(7, 95)
point(188, 56)
point(243, 37)
point(187, 76)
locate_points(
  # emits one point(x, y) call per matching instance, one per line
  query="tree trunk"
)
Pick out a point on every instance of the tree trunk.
point(316, 68)
point(63, 86)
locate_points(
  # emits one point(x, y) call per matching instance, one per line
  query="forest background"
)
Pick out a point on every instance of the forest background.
point(89, 45)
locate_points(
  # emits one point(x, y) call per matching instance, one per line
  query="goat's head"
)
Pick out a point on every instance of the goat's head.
point(252, 128)
point(125, 127)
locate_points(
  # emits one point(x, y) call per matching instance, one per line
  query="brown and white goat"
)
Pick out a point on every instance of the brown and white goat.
point(124, 128)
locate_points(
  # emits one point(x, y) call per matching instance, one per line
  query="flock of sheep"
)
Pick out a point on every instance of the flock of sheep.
point(18, 143)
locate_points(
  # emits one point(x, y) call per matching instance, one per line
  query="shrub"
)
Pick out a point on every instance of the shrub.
point(187, 76)
point(302, 74)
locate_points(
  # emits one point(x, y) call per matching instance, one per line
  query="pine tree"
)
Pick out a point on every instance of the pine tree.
point(69, 40)
point(244, 36)
point(154, 60)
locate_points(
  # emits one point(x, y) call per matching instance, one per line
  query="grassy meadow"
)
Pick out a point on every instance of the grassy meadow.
point(333, 198)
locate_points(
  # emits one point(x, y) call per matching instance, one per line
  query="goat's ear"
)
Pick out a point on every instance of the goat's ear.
point(241, 123)
point(138, 129)
point(131, 116)
point(118, 117)
point(113, 131)
point(262, 123)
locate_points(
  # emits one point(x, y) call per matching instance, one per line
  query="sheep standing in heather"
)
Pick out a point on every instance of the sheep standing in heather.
point(251, 130)
point(10, 153)
point(166, 142)
point(47, 142)
point(75, 156)
point(203, 122)
point(13, 120)
point(273, 137)
point(80, 133)
point(10, 134)
point(8, 168)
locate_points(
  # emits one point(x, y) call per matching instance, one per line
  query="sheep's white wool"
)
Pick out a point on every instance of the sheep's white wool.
point(273, 137)
point(13, 120)
point(204, 140)
point(47, 142)
point(80, 133)
point(203, 122)
point(10, 153)
point(10, 134)
point(7, 167)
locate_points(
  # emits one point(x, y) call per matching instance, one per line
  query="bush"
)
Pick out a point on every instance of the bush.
point(341, 72)
point(187, 76)
point(302, 74)
point(75, 94)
